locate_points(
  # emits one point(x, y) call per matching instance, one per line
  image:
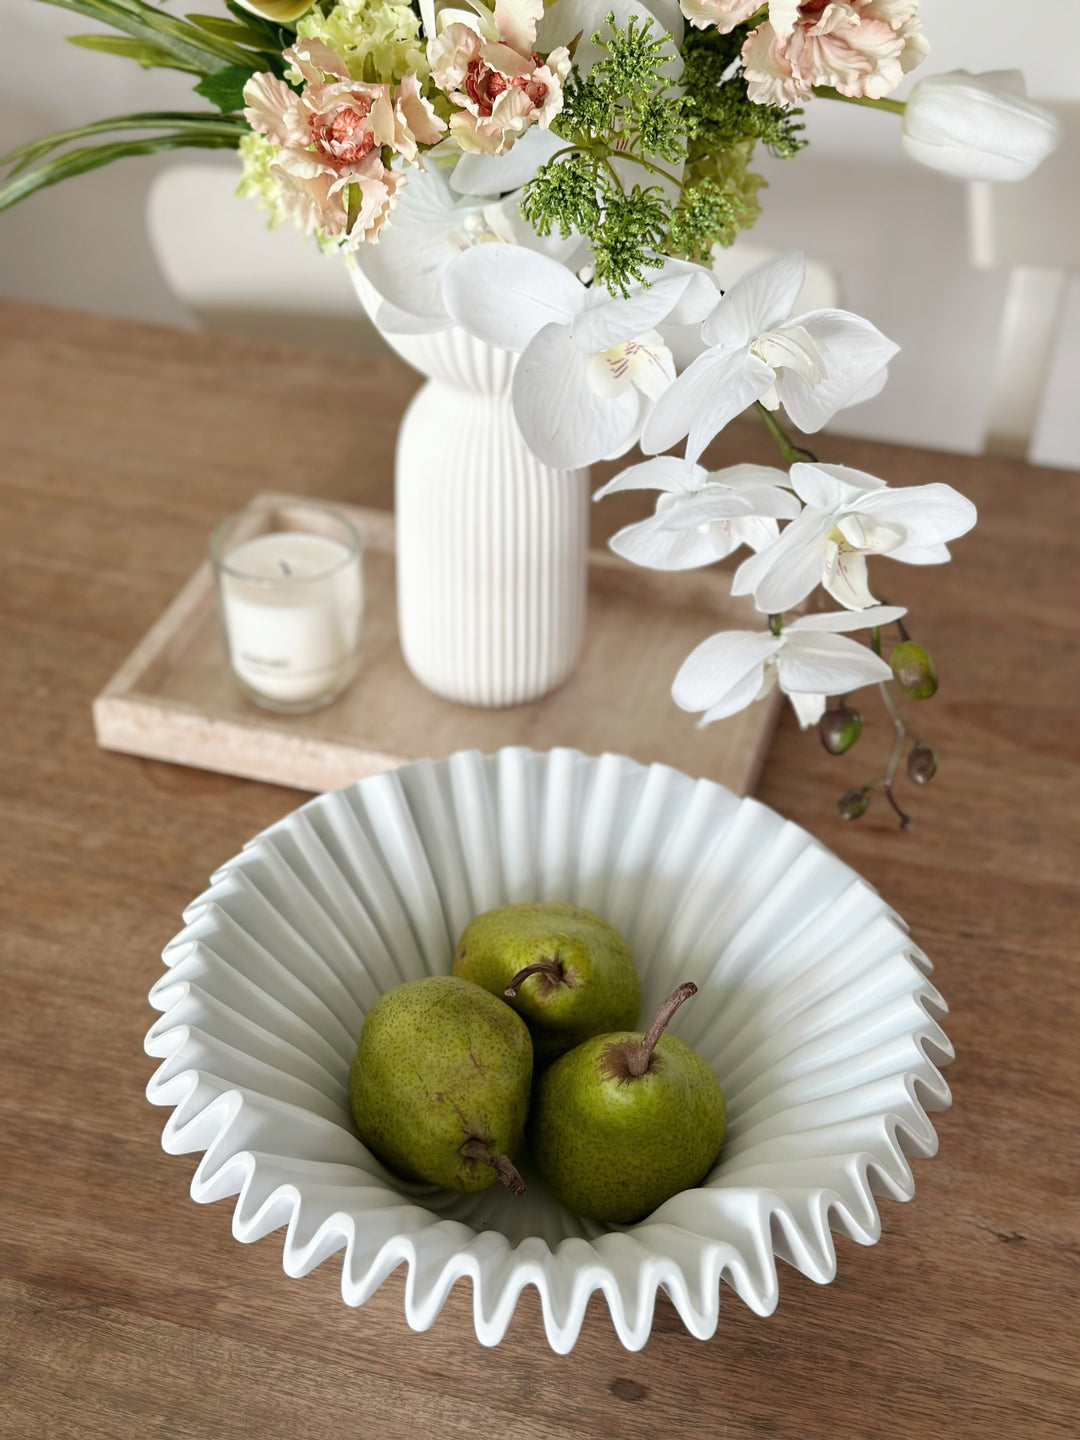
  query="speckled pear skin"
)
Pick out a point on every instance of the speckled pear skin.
point(614, 1149)
point(601, 992)
point(441, 1061)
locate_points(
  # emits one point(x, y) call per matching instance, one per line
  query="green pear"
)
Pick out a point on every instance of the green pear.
point(623, 1122)
point(568, 973)
point(439, 1084)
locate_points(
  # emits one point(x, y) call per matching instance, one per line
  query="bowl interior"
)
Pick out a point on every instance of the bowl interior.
point(813, 1009)
point(794, 958)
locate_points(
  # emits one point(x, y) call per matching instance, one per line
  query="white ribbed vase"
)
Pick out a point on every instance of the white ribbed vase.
point(491, 544)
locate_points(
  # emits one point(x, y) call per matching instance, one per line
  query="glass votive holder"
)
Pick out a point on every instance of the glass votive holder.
point(291, 599)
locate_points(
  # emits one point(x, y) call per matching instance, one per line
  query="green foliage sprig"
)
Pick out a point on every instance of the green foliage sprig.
point(221, 53)
point(694, 147)
point(719, 112)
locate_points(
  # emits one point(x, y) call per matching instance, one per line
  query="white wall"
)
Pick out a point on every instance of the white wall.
point(895, 235)
point(82, 243)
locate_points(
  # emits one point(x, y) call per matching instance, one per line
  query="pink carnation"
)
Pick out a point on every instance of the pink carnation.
point(497, 80)
point(859, 47)
point(315, 195)
point(331, 139)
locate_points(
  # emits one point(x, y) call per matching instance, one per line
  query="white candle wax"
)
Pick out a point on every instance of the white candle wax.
point(292, 604)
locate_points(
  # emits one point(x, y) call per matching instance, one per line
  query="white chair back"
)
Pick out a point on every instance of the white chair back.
point(1031, 229)
point(234, 273)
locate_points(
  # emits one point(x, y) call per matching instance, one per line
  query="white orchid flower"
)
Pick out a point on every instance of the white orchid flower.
point(978, 127)
point(809, 661)
point(432, 227)
point(591, 364)
point(847, 516)
point(813, 364)
point(700, 517)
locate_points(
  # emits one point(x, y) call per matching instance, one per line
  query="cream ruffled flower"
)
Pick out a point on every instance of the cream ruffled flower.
point(489, 69)
point(859, 47)
point(331, 139)
point(724, 14)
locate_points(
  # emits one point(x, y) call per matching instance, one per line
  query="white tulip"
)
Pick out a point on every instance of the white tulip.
point(978, 127)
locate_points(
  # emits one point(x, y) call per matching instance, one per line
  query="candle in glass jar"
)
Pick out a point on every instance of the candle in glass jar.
point(291, 603)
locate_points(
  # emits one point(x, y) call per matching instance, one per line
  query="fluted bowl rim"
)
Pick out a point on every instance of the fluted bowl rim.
point(827, 1026)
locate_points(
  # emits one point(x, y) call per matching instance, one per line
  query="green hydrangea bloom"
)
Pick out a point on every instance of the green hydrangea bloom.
point(259, 182)
point(719, 198)
point(379, 42)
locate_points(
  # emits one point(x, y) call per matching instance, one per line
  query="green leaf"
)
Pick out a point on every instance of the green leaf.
point(238, 34)
point(78, 162)
point(226, 88)
point(274, 36)
point(178, 122)
point(203, 53)
point(150, 57)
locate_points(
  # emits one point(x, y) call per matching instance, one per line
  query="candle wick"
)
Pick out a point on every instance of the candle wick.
point(285, 567)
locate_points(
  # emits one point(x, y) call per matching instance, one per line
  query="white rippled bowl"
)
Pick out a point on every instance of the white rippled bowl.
point(813, 1009)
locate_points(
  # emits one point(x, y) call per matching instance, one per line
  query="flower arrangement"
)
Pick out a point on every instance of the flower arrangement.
point(556, 179)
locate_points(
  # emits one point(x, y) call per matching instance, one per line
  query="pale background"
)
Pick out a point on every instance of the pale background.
point(894, 234)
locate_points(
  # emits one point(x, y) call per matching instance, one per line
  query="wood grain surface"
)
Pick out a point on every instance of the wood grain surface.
point(130, 1313)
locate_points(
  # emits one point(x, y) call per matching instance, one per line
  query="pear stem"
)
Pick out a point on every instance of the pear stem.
point(551, 968)
point(503, 1166)
point(638, 1056)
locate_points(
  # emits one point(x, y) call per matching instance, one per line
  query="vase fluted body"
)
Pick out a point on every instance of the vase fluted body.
point(491, 544)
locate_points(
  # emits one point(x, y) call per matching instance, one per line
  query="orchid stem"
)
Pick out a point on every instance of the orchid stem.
point(787, 447)
point(902, 732)
point(897, 107)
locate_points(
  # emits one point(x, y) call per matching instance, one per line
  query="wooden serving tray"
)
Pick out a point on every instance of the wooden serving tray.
point(175, 698)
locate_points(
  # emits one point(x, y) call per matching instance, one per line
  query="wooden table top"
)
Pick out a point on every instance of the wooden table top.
point(129, 1311)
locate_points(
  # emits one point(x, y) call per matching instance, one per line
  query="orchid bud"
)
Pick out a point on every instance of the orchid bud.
point(853, 804)
point(921, 764)
point(914, 670)
point(839, 728)
point(977, 127)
